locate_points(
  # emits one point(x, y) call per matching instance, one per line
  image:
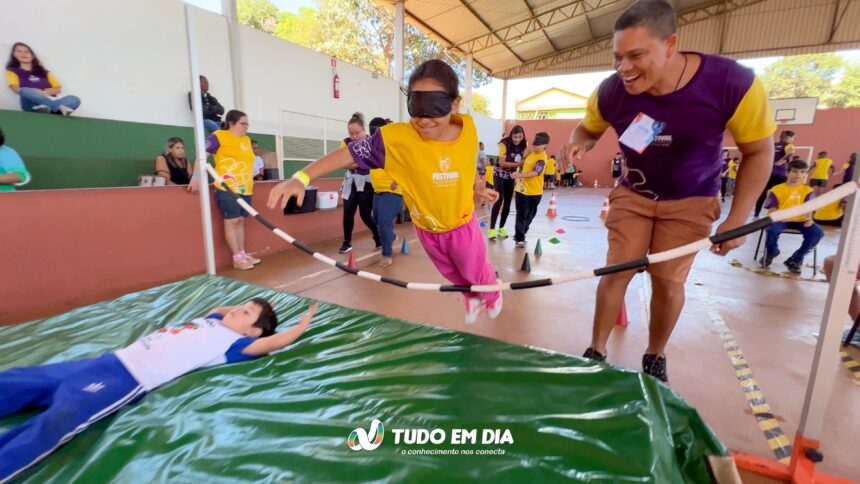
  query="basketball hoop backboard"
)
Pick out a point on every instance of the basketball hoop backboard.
point(799, 110)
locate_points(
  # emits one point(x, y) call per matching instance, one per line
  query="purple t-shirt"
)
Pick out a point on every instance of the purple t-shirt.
point(778, 154)
point(849, 172)
point(358, 171)
point(684, 158)
point(28, 79)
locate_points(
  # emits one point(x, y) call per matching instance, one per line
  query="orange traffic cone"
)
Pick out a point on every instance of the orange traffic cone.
point(604, 211)
point(351, 262)
point(552, 211)
point(621, 320)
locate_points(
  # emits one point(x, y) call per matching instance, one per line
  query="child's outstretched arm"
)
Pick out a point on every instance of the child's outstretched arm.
point(280, 340)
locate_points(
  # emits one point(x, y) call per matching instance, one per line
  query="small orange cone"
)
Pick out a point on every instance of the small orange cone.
point(351, 262)
point(604, 211)
point(595, 183)
point(552, 211)
point(621, 320)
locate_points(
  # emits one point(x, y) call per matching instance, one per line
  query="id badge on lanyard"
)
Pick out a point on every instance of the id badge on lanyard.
point(641, 132)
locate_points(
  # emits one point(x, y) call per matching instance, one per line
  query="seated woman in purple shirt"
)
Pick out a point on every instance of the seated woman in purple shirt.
point(38, 88)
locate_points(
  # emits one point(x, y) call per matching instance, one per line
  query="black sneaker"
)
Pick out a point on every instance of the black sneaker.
point(655, 366)
point(345, 248)
point(593, 354)
point(766, 260)
point(793, 266)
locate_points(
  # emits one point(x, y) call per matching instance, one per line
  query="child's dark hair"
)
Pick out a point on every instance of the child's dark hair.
point(37, 68)
point(357, 118)
point(797, 164)
point(822, 153)
point(541, 138)
point(268, 320)
point(440, 72)
point(515, 130)
point(233, 116)
point(786, 134)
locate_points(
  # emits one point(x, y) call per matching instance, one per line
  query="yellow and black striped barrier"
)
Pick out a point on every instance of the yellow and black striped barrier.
point(776, 439)
point(851, 364)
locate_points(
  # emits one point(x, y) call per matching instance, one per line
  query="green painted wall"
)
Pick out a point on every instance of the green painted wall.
point(78, 152)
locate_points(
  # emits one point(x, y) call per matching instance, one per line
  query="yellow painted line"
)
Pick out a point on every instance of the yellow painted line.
point(776, 439)
point(852, 365)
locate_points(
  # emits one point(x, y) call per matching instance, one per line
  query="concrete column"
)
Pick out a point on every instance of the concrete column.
point(399, 46)
point(231, 11)
point(469, 66)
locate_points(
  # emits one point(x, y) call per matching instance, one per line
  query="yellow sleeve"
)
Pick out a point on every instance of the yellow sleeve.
point(53, 80)
point(12, 79)
point(503, 151)
point(342, 144)
point(593, 120)
point(752, 120)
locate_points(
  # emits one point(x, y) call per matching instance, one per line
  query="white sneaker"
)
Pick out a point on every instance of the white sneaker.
point(41, 108)
point(66, 111)
point(494, 308)
point(473, 309)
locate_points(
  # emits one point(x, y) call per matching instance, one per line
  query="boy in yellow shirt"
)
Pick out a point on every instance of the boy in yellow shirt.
point(822, 169)
point(529, 187)
point(786, 195)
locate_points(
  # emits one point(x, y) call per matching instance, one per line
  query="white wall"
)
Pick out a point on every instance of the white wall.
point(127, 60)
point(490, 132)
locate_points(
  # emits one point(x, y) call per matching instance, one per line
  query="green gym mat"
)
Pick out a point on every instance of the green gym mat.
point(287, 417)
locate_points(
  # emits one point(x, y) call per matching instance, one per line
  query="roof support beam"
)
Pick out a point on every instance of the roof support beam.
point(514, 31)
point(440, 38)
point(487, 26)
point(710, 10)
point(548, 38)
point(837, 18)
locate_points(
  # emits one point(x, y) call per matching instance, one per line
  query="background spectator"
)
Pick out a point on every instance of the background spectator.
point(212, 109)
point(234, 162)
point(172, 164)
point(38, 88)
point(13, 173)
point(259, 164)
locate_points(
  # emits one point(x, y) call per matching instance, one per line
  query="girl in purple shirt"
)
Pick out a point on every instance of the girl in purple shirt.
point(38, 88)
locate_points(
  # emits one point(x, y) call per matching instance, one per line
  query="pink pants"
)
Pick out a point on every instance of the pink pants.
point(461, 256)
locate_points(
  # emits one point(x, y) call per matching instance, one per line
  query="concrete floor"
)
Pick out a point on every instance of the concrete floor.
point(773, 319)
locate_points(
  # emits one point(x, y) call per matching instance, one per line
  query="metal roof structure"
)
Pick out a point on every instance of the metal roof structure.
point(513, 39)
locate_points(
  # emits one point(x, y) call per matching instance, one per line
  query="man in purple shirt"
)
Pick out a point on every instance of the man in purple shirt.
point(671, 109)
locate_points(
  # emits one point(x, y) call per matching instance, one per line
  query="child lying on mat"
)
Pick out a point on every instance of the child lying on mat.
point(76, 394)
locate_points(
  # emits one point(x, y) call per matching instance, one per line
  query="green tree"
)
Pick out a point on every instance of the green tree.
point(259, 14)
point(846, 94)
point(810, 75)
point(480, 104)
point(361, 32)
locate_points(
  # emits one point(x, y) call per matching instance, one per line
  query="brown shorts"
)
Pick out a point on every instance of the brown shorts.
point(639, 226)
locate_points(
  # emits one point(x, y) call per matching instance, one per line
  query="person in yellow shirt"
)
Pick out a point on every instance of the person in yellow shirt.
point(234, 162)
point(822, 169)
point(529, 186)
point(734, 164)
point(432, 159)
point(549, 173)
point(786, 195)
point(387, 201)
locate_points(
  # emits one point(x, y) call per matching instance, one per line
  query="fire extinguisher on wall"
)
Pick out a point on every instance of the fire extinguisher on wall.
point(335, 80)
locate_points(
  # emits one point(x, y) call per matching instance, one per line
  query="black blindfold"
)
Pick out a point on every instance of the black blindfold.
point(428, 104)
